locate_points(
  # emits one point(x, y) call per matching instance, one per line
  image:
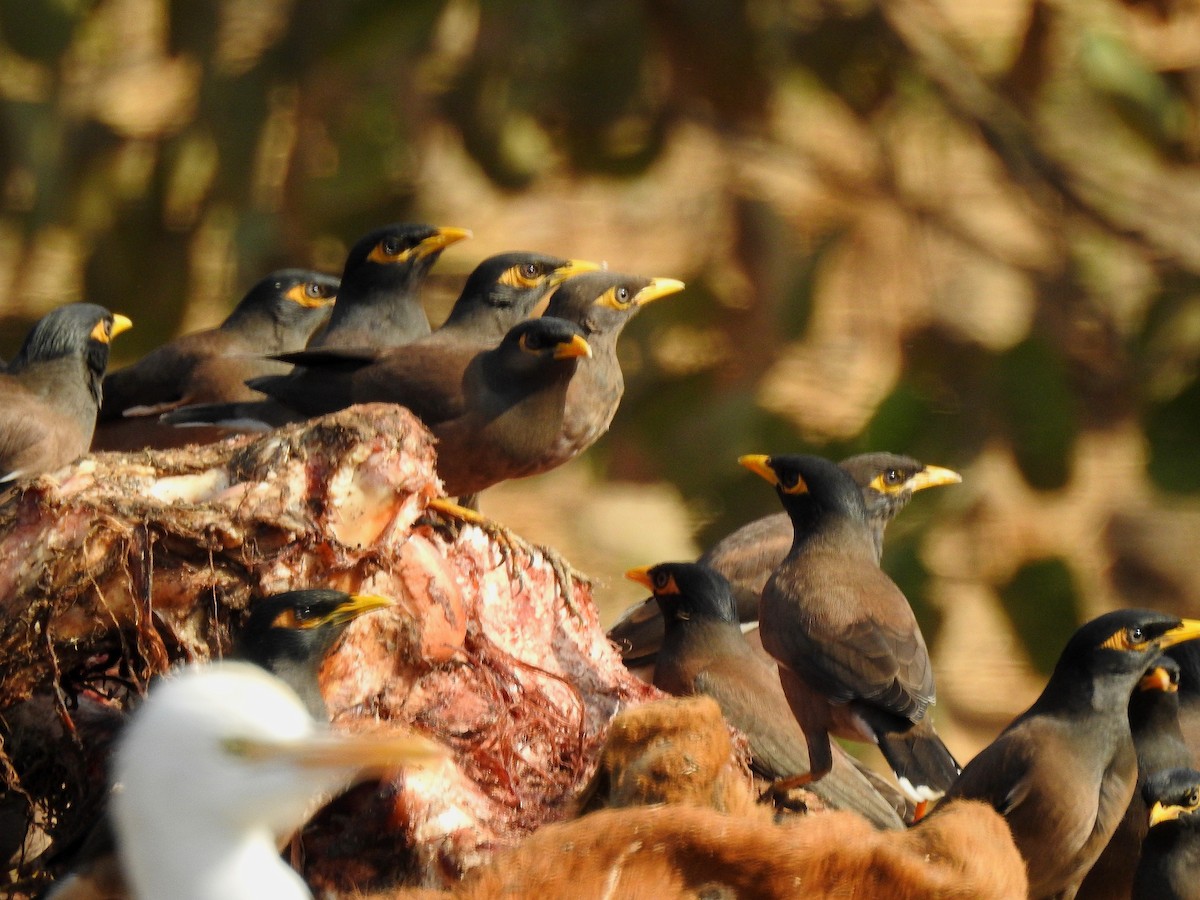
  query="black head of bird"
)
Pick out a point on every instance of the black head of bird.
point(506, 288)
point(811, 488)
point(77, 330)
point(531, 350)
point(286, 301)
point(1173, 796)
point(1170, 857)
point(290, 633)
point(602, 302)
point(378, 303)
point(397, 254)
point(686, 591)
point(1105, 659)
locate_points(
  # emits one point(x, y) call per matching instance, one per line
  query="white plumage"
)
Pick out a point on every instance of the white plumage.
point(218, 763)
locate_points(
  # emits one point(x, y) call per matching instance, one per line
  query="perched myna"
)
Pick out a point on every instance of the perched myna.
point(426, 375)
point(517, 396)
point(705, 652)
point(220, 762)
point(1169, 868)
point(851, 656)
point(286, 634)
point(379, 303)
point(1188, 657)
point(51, 391)
point(1159, 745)
point(277, 315)
point(1063, 772)
point(749, 555)
point(289, 635)
point(600, 303)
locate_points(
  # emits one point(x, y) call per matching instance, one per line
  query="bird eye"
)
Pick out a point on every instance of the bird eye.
point(1135, 635)
point(312, 289)
point(892, 476)
point(532, 270)
point(1193, 798)
point(661, 579)
point(390, 246)
point(622, 294)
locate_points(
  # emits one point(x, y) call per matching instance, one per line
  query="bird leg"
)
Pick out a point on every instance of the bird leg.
point(564, 573)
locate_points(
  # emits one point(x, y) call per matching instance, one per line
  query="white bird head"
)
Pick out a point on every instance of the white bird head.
point(219, 761)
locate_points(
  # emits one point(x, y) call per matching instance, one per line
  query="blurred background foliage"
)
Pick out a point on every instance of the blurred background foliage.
point(964, 231)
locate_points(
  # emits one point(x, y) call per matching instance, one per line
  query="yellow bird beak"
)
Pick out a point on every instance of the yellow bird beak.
point(759, 465)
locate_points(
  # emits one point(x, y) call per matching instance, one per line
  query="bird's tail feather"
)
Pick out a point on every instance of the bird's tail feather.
point(260, 415)
point(923, 765)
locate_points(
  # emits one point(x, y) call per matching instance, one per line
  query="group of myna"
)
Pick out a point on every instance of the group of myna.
point(789, 623)
point(1095, 777)
point(522, 376)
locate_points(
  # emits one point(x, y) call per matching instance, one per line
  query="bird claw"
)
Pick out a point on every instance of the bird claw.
point(564, 573)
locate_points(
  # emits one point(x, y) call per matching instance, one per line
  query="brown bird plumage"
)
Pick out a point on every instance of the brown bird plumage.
point(851, 656)
point(516, 398)
point(427, 374)
point(748, 556)
point(601, 304)
point(1159, 745)
point(1063, 772)
point(278, 314)
point(704, 652)
point(50, 392)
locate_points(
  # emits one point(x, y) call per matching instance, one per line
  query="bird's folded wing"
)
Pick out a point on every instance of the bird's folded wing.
point(866, 660)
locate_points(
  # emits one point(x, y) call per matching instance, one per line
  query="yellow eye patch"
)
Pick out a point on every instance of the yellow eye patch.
point(309, 295)
point(517, 277)
point(1126, 640)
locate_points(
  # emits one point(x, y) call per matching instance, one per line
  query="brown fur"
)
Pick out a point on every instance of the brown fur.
point(677, 852)
point(671, 751)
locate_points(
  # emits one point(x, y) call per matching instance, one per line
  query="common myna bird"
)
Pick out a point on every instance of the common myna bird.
point(279, 314)
point(51, 391)
point(851, 656)
point(517, 396)
point(1169, 868)
point(705, 652)
point(1063, 772)
point(287, 634)
point(749, 555)
point(217, 764)
point(426, 375)
point(1188, 657)
point(1159, 745)
point(379, 303)
point(601, 304)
